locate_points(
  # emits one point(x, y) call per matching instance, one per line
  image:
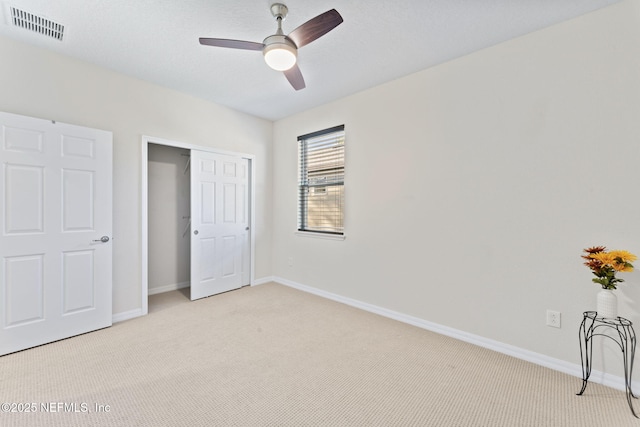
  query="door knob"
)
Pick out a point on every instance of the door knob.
point(103, 239)
point(195, 232)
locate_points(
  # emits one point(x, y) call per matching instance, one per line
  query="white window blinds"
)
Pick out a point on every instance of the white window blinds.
point(321, 181)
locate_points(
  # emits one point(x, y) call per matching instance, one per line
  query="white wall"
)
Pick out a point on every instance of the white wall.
point(472, 187)
point(43, 84)
point(169, 211)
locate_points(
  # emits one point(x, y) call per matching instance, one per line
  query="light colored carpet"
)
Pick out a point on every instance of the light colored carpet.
point(274, 356)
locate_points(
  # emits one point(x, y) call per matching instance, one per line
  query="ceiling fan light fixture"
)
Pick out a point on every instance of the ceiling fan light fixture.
point(280, 55)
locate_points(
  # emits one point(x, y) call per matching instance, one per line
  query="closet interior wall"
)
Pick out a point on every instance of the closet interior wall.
point(169, 218)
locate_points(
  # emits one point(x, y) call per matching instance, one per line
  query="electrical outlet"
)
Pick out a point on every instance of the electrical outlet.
point(290, 261)
point(553, 318)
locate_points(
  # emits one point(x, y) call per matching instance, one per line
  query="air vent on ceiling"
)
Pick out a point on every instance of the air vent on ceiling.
point(36, 23)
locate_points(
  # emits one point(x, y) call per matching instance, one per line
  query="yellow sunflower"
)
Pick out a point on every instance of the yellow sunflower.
point(623, 266)
point(625, 256)
point(606, 258)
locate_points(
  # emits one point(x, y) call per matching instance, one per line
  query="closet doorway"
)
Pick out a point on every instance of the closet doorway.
point(197, 219)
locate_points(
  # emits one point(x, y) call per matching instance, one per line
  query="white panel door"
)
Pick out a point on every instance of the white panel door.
point(220, 247)
point(55, 208)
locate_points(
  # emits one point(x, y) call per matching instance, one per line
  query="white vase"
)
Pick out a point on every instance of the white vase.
point(607, 304)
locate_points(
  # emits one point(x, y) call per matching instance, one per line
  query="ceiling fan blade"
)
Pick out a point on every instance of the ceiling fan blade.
point(233, 44)
point(315, 28)
point(294, 75)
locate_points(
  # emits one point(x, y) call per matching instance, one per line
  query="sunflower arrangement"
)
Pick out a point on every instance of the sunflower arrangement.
point(605, 264)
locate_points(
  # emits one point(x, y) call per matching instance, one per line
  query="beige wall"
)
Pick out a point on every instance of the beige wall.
point(472, 187)
point(46, 85)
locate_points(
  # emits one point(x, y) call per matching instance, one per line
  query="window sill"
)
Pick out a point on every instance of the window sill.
point(320, 235)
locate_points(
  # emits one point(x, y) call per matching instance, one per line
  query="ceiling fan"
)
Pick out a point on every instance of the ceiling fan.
point(281, 51)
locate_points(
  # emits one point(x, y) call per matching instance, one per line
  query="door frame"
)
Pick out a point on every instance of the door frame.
point(144, 207)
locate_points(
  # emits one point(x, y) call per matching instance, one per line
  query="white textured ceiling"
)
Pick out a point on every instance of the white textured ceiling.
point(157, 41)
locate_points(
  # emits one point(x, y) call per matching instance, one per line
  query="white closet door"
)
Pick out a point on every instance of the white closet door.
point(55, 214)
point(220, 247)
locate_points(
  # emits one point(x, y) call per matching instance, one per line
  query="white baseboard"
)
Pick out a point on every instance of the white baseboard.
point(121, 317)
point(517, 352)
point(263, 280)
point(168, 288)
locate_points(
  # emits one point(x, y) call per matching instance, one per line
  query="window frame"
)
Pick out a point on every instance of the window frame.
point(304, 186)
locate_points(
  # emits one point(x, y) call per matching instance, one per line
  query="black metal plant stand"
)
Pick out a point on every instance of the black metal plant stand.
point(591, 326)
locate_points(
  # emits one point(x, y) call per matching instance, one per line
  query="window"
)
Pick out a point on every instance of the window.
point(321, 181)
